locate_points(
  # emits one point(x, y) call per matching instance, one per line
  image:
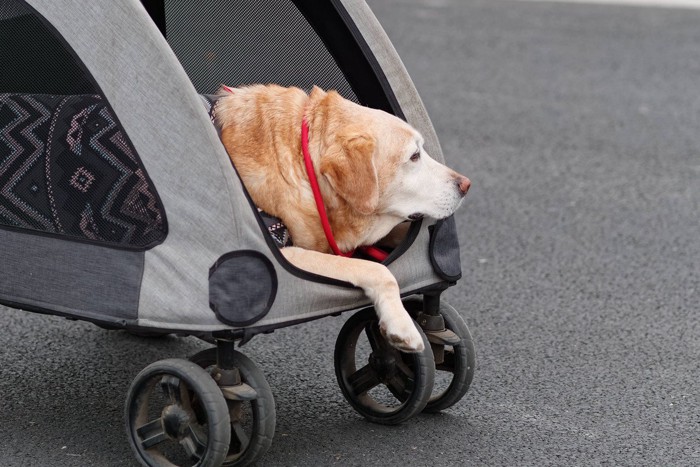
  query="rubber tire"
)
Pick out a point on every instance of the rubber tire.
point(465, 357)
point(198, 381)
point(263, 408)
point(423, 366)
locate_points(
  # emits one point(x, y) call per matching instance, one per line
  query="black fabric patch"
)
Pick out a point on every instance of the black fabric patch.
point(67, 168)
point(444, 249)
point(242, 287)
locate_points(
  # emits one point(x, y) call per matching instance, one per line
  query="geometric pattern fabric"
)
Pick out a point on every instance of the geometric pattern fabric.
point(67, 169)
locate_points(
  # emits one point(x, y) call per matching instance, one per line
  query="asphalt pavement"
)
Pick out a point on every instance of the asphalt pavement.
point(579, 128)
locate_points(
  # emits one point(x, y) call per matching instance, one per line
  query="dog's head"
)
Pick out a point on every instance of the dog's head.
point(376, 162)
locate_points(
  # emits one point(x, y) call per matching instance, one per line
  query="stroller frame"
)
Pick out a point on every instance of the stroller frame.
point(176, 244)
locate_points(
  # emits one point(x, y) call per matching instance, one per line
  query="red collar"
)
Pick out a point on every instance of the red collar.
point(376, 253)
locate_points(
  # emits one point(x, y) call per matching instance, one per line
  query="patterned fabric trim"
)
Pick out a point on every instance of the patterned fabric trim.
point(66, 168)
point(277, 230)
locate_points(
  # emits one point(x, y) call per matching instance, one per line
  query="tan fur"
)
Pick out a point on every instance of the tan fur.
point(357, 153)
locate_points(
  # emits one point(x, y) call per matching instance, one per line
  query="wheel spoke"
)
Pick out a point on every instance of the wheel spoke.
point(448, 363)
point(194, 443)
point(363, 380)
point(172, 388)
point(375, 338)
point(397, 386)
point(151, 433)
point(239, 438)
point(401, 384)
point(405, 370)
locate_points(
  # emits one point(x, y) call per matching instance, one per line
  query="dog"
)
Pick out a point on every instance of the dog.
point(373, 175)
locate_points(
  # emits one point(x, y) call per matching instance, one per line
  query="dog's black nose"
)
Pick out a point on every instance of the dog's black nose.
point(463, 183)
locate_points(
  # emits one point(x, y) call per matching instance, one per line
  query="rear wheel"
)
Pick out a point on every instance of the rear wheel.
point(162, 423)
point(252, 420)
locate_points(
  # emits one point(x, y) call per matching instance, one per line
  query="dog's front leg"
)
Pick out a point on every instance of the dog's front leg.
point(378, 284)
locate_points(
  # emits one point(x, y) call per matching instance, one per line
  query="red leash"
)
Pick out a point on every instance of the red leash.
point(373, 252)
point(320, 206)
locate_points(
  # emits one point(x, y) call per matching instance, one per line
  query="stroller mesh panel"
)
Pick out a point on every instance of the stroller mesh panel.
point(248, 42)
point(33, 60)
point(67, 167)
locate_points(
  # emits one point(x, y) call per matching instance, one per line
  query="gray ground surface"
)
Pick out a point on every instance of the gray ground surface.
point(578, 126)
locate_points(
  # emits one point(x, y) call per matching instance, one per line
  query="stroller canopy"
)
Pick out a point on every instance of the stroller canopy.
point(119, 204)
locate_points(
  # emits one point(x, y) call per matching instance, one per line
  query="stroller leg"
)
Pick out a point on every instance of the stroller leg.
point(227, 373)
point(249, 400)
point(452, 347)
point(430, 318)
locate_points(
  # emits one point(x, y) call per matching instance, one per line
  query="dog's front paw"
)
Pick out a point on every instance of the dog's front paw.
point(401, 333)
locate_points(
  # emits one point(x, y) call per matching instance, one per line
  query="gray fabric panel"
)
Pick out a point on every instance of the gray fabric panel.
point(208, 215)
point(242, 286)
point(444, 249)
point(69, 277)
point(412, 269)
point(396, 74)
point(164, 117)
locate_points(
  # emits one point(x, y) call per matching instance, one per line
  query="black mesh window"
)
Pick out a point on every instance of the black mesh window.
point(248, 41)
point(67, 167)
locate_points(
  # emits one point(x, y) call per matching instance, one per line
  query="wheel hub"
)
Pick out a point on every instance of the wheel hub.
point(384, 365)
point(175, 421)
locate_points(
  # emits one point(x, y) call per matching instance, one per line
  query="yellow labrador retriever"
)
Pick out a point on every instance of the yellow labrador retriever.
point(372, 171)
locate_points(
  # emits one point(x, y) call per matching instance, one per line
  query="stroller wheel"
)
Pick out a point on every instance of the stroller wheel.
point(381, 383)
point(252, 420)
point(455, 370)
point(162, 423)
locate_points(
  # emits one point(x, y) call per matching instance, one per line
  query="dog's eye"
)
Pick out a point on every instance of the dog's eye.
point(415, 157)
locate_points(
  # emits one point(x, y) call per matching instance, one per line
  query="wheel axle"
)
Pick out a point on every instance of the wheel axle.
point(175, 421)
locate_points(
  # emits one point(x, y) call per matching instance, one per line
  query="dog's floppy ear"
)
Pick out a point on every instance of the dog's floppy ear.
point(349, 168)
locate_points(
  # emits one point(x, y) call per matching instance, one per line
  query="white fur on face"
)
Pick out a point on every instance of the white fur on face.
point(421, 186)
point(409, 187)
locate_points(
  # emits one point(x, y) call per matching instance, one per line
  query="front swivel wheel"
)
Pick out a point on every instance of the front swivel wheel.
point(381, 383)
point(455, 359)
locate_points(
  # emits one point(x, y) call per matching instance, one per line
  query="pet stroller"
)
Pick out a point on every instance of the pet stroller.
point(119, 206)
